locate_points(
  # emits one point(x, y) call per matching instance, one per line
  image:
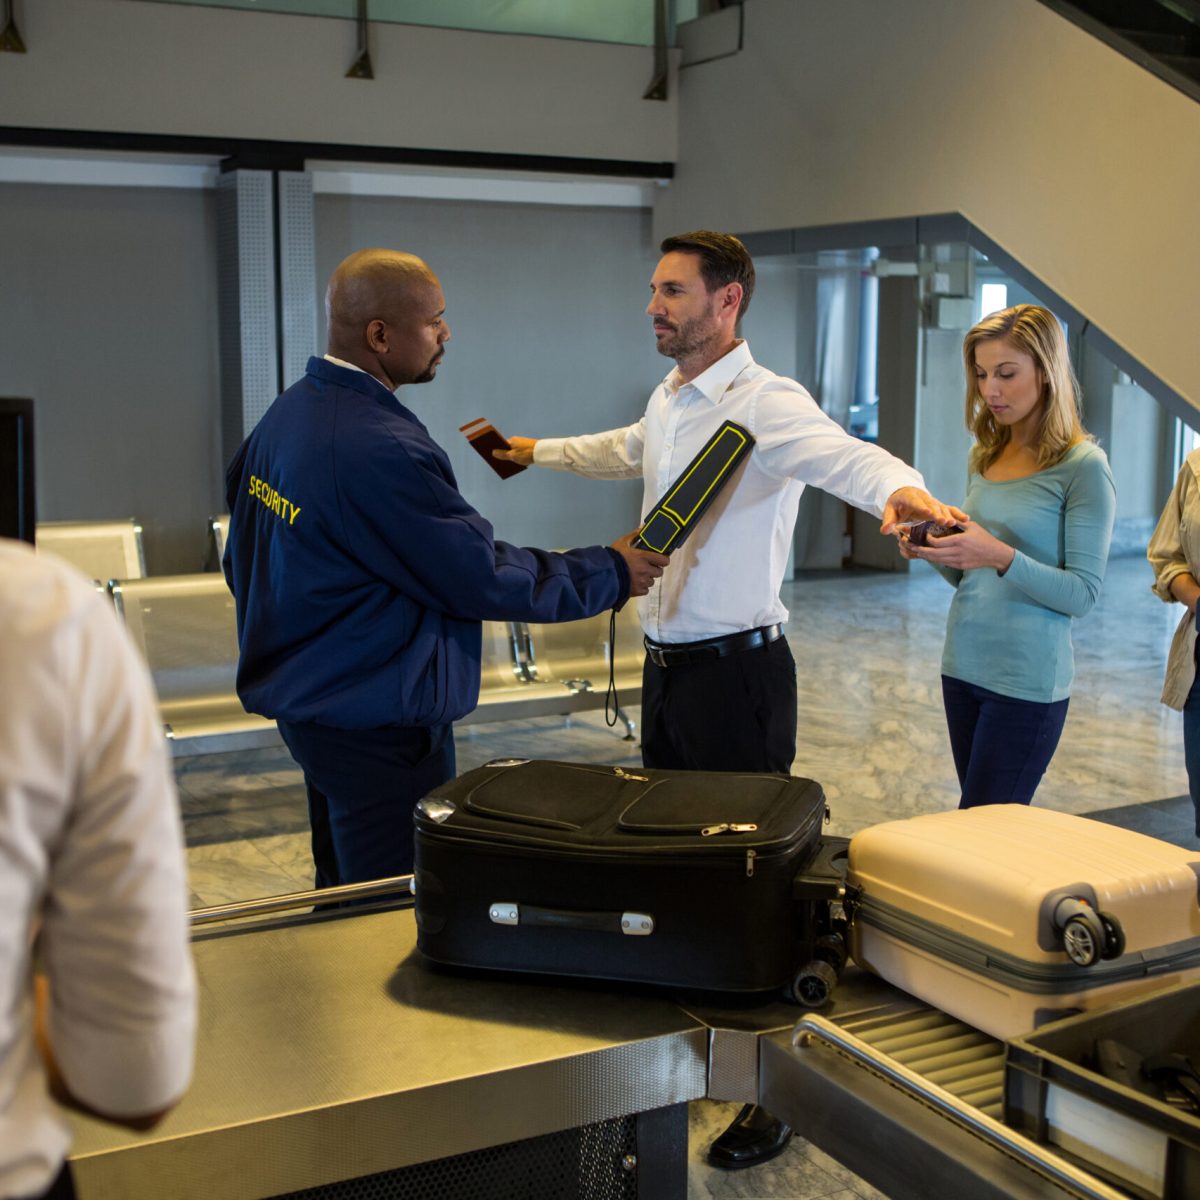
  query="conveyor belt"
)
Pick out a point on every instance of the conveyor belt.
point(865, 1090)
point(967, 1063)
point(878, 1113)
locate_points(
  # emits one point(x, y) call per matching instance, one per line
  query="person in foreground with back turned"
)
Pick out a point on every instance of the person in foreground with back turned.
point(361, 575)
point(714, 629)
point(1041, 499)
point(95, 969)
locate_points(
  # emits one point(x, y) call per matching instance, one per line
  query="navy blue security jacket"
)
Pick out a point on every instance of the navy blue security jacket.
point(361, 575)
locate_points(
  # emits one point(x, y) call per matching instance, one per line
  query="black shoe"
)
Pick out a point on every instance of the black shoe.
point(753, 1137)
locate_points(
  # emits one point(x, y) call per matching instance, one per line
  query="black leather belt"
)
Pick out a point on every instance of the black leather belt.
point(675, 654)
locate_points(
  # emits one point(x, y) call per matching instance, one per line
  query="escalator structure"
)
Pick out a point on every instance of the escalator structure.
point(1161, 35)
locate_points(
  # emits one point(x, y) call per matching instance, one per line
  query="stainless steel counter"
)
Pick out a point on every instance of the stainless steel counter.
point(326, 1052)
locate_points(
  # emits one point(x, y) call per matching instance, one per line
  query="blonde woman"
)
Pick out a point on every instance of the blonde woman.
point(1174, 553)
point(1041, 501)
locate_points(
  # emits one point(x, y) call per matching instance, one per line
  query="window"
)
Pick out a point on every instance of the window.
point(992, 298)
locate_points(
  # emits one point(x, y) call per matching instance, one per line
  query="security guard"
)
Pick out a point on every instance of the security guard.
point(362, 575)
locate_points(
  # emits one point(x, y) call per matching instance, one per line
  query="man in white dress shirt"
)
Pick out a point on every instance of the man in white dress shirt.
point(719, 683)
point(93, 892)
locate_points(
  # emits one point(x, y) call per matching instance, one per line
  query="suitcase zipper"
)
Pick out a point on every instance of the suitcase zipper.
point(726, 827)
point(529, 849)
point(630, 851)
point(622, 774)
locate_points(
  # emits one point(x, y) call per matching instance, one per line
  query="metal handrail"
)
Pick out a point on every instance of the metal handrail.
point(320, 896)
point(812, 1029)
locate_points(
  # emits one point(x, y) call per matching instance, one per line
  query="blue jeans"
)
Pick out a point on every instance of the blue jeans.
point(362, 786)
point(1191, 743)
point(1001, 745)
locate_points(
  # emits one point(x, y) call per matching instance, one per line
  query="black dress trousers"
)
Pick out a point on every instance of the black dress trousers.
point(736, 713)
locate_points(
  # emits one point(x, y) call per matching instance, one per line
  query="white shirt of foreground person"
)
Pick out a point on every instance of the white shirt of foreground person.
point(726, 576)
point(91, 869)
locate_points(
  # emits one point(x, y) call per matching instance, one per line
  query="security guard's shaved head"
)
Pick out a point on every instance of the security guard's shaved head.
point(369, 284)
point(384, 310)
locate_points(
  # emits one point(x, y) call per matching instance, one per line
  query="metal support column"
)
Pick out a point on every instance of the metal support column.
point(297, 274)
point(246, 302)
point(266, 291)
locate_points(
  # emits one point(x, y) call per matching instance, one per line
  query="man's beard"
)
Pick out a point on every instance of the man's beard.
point(692, 334)
point(427, 375)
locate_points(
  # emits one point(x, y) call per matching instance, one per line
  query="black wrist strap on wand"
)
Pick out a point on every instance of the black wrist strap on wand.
point(612, 705)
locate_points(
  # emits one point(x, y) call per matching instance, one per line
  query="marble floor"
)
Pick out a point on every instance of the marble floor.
point(871, 730)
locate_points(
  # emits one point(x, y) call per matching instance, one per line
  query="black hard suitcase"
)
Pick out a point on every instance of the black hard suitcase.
point(691, 879)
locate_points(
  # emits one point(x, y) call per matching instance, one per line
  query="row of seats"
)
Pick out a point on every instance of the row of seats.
point(113, 549)
point(100, 549)
point(186, 629)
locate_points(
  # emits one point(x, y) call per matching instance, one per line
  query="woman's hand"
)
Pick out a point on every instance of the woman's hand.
point(974, 547)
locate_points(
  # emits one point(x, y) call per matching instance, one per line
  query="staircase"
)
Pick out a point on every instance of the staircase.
point(1161, 35)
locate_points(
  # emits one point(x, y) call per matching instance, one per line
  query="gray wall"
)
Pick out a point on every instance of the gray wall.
point(773, 323)
point(108, 320)
point(548, 338)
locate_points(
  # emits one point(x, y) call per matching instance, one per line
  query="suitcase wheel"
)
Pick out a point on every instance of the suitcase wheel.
point(832, 949)
point(813, 983)
point(1084, 938)
point(1114, 936)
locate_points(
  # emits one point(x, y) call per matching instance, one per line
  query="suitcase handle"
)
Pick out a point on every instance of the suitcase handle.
point(824, 875)
point(631, 924)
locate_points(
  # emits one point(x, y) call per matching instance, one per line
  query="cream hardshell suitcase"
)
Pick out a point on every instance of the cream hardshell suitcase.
point(1007, 916)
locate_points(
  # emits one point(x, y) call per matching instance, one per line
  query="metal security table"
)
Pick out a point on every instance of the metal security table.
point(332, 1064)
point(326, 1052)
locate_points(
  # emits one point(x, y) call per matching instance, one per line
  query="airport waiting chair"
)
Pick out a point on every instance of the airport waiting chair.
point(186, 629)
point(103, 550)
point(218, 535)
point(573, 657)
point(505, 692)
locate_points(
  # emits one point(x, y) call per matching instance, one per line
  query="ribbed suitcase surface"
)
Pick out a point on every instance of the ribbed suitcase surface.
point(1008, 916)
point(668, 877)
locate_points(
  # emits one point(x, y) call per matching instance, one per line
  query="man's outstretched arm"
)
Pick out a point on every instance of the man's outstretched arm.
point(520, 451)
point(613, 454)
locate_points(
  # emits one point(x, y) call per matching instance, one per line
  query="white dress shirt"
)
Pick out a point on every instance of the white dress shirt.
point(726, 576)
point(91, 869)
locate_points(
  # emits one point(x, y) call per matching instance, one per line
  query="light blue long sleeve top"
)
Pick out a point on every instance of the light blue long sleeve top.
point(1011, 633)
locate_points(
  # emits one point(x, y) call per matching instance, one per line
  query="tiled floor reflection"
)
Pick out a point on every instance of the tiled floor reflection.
point(871, 730)
point(801, 1172)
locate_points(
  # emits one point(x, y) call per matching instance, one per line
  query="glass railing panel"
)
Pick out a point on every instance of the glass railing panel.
point(629, 22)
point(1161, 35)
